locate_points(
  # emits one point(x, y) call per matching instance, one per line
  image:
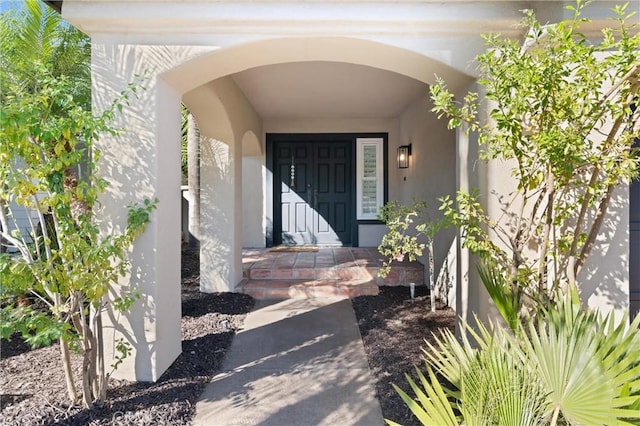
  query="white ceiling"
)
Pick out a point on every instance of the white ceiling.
point(327, 90)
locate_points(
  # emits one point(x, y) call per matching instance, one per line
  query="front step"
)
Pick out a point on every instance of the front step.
point(307, 289)
point(344, 271)
point(400, 274)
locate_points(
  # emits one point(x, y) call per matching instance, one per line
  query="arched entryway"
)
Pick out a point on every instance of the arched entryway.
point(209, 82)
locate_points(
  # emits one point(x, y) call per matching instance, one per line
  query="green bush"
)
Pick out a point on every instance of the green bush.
point(568, 366)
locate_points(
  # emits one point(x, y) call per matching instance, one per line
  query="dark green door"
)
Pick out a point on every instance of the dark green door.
point(313, 192)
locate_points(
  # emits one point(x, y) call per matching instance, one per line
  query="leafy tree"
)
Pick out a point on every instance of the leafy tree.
point(48, 170)
point(36, 35)
point(402, 238)
point(562, 115)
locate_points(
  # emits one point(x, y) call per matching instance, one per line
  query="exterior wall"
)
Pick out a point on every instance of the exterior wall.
point(603, 281)
point(20, 220)
point(432, 170)
point(253, 190)
point(470, 296)
point(224, 116)
point(143, 162)
point(370, 235)
point(253, 202)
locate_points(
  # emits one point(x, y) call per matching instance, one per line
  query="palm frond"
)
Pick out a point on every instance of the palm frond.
point(432, 406)
point(504, 297)
point(582, 368)
point(570, 366)
point(36, 38)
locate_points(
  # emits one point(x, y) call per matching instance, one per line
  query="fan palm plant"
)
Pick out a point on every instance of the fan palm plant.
point(568, 366)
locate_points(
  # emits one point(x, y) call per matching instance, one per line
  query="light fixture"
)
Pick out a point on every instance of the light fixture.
point(404, 151)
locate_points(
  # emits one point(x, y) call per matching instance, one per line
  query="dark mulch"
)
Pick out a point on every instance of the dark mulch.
point(32, 388)
point(394, 329)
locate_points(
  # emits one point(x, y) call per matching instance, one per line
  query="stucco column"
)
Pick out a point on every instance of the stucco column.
point(253, 226)
point(224, 117)
point(143, 161)
point(220, 216)
point(471, 297)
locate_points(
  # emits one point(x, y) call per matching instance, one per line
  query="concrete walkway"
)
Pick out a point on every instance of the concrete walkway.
point(297, 362)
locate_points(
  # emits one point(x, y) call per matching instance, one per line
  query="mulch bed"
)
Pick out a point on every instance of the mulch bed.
point(32, 389)
point(394, 329)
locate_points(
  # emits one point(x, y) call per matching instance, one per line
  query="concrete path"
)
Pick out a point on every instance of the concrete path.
point(298, 362)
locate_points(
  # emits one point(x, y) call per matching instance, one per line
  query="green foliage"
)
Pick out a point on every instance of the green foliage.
point(48, 172)
point(568, 366)
point(561, 118)
point(123, 350)
point(36, 36)
point(561, 115)
point(505, 297)
point(401, 239)
point(432, 406)
point(40, 153)
point(36, 328)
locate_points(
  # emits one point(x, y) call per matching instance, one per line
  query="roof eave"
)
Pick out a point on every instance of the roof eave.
point(54, 4)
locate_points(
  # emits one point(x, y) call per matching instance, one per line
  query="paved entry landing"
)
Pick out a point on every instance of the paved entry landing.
point(298, 362)
point(329, 271)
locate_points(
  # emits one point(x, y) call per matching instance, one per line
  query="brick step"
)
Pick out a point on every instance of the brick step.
point(398, 275)
point(307, 289)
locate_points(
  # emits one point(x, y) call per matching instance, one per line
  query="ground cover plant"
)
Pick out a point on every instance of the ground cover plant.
point(567, 366)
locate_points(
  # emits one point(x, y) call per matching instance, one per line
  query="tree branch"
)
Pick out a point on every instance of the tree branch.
point(595, 230)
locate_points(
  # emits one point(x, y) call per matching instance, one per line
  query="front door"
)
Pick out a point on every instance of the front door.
point(313, 192)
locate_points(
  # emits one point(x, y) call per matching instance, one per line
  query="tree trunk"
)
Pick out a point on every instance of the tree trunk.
point(193, 176)
point(432, 281)
point(68, 373)
point(3, 243)
point(102, 378)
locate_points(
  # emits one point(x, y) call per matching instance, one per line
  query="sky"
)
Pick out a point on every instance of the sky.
point(10, 4)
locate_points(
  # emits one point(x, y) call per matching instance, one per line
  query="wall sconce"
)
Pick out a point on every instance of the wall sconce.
point(404, 151)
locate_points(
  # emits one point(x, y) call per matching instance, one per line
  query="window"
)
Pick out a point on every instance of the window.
point(370, 175)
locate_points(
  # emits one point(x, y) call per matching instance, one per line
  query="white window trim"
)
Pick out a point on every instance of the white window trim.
point(361, 143)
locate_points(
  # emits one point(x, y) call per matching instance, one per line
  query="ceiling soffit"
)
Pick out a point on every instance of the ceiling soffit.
point(327, 90)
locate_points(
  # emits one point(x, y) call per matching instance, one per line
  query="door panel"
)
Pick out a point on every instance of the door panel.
point(315, 192)
point(295, 175)
point(332, 198)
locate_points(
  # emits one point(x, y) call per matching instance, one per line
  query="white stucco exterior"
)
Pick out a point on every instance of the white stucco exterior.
point(212, 55)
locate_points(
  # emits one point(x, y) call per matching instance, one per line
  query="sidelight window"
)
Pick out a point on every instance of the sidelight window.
point(370, 177)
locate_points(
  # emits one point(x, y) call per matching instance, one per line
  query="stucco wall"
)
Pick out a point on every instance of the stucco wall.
point(253, 201)
point(604, 279)
point(224, 117)
point(432, 168)
point(141, 162)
